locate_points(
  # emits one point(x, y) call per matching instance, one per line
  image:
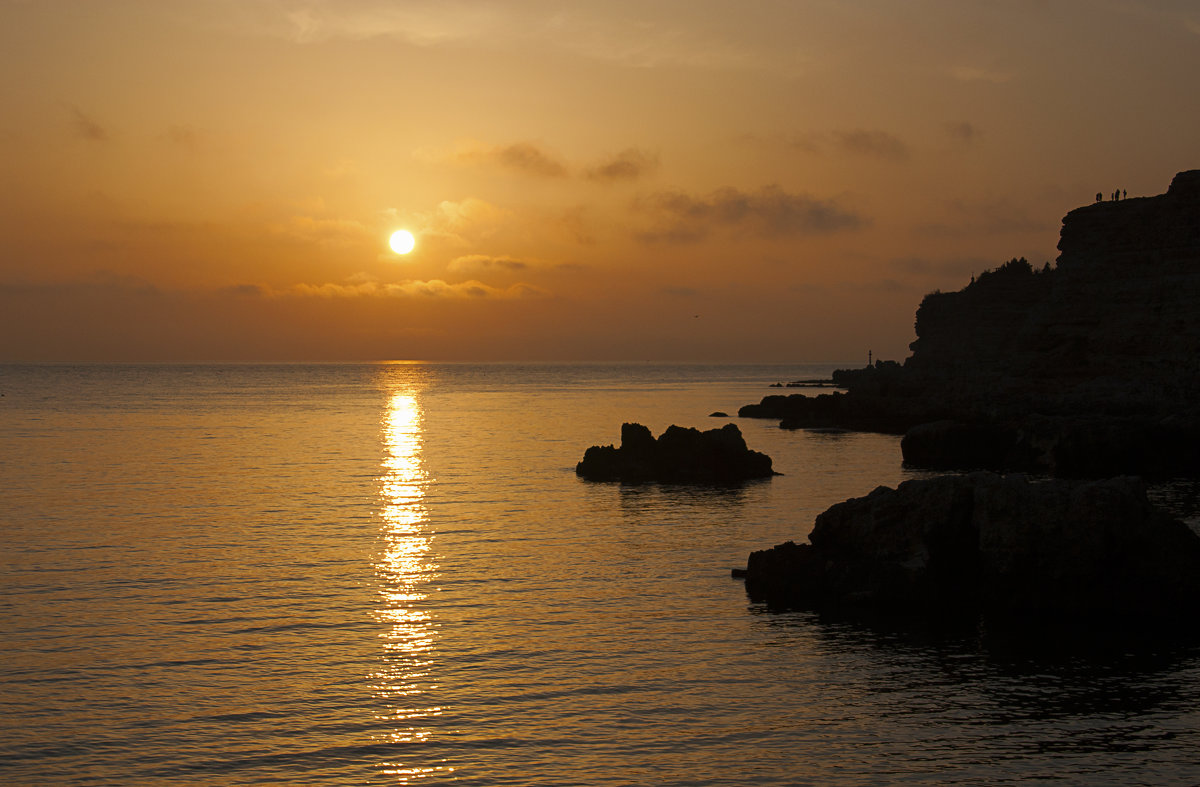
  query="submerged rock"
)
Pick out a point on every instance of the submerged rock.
point(982, 542)
point(679, 455)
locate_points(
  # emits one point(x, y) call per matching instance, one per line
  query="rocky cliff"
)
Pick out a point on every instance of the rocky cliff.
point(1114, 327)
point(1107, 340)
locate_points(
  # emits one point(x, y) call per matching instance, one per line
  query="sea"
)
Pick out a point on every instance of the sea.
point(389, 573)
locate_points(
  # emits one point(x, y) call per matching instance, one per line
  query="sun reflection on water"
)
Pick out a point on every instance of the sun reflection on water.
point(404, 568)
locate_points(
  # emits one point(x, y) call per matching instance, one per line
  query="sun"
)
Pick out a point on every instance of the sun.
point(402, 241)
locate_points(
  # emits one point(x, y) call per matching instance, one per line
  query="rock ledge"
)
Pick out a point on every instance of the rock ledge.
point(984, 543)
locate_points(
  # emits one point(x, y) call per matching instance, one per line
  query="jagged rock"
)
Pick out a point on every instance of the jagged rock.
point(988, 543)
point(679, 455)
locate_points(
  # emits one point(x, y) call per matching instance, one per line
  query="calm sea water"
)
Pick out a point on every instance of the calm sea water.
point(389, 574)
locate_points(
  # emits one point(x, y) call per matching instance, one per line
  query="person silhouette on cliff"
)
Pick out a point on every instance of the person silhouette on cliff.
point(1124, 194)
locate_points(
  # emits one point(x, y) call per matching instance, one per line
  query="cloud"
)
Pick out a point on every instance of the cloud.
point(876, 144)
point(416, 23)
point(522, 157)
point(867, 143)
point(629, 164)
point(769, 212)
point(433, 288)
point(358, 286)
point(120, 318)
point(529, 159)
point(576, 223)
point(244, 290)
point(472, 262)
point(963, 132)
point(469, 213)
point(325, 232)
point(808, 142)
point(453, 224)
point(87, 128)
point(649, 37)
point(535, 160)
point(459, 222)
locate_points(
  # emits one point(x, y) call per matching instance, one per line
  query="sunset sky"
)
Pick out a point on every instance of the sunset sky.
point(759, 181)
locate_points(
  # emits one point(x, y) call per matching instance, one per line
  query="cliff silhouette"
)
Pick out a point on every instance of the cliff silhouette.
point(1087, 368)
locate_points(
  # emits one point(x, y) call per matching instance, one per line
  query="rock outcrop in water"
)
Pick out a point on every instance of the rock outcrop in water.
point(1085, 369)
point(679, 455)
point(986, 543)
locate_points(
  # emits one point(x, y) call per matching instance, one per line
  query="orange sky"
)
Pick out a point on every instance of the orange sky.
point(759, 181)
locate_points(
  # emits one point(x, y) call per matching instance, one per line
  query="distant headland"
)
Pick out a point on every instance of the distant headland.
point(1088, 368)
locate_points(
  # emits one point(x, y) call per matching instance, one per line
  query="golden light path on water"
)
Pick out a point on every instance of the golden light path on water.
point(404, 567)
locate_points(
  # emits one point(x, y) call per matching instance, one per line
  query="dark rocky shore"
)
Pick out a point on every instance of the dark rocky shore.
point(679, 455)
point(1087, 369)
point(1090, 369)
point(985, 543)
